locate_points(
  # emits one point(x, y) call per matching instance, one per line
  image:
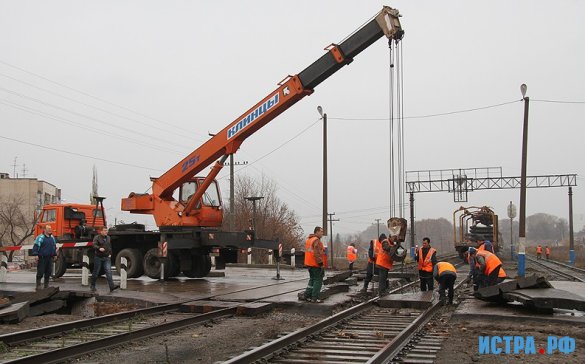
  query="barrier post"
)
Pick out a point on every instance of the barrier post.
point(3, 268)
point(85, 268)
point(278, 277)
point(292, 258)
point(123, 273)
point(213, 260)
point(270, 256)
point(163, 250)
point(249, 256)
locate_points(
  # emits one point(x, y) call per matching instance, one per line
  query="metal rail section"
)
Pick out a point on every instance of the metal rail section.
point(267, 350)
point(70, 352)
point(393, 348)
point(557, 271)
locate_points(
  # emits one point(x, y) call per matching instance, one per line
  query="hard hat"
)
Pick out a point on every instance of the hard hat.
point(471, 250)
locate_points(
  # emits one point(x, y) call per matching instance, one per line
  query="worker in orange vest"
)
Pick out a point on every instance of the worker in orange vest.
point(547, 252)
point(445, 273)
point(314, 253)
point(426, 257)
point(384, 263)
point(372, 254)
point(539, 252)
point(489, 268)
point(351, 256)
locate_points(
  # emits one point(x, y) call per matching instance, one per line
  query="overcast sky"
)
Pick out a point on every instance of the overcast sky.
point(143, 82)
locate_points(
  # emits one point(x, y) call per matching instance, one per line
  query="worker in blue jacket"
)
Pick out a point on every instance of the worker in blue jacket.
point(45, 248)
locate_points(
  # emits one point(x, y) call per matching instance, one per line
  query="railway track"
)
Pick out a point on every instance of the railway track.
point(56, 343)
point(365, 333)
point(561, 269)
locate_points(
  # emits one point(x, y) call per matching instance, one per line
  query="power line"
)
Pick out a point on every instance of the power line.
point(431, 115)
point(559, 101)
point(89, 95)
point(79, 154)
point(95, 107)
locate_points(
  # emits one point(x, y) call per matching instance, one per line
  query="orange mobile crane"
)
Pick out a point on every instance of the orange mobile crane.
point(187, 208)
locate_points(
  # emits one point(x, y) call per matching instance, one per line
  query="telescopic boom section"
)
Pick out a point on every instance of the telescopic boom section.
point(167, 211)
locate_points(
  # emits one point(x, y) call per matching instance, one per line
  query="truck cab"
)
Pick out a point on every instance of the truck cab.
point(63, 218)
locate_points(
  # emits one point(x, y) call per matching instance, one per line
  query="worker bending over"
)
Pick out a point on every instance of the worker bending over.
point(445, 273)
point(488, 268)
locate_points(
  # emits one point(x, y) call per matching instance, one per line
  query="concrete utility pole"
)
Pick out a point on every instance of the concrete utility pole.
point(522, 217)
point(324, 117)
point(378, 226)
point(331, 255)
point(571, 236)
point(232, 222)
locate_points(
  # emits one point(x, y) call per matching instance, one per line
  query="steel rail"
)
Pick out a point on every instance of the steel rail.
point(557, 271)
point(71, 352)
point(393, 348)
point(265, 351)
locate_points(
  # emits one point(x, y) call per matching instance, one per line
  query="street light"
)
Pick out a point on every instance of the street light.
point(522, 217)
point(254, 199)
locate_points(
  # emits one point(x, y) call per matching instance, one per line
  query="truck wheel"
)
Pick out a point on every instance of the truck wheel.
point(60, 266)
point(201, 266)
point(134, 268)
point(152, 264)
point(175, 268)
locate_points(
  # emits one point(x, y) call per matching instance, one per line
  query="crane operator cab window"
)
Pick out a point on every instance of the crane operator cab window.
point(210, 197)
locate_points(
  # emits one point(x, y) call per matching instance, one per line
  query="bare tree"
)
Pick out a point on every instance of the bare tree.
point(273, 220)
point(15, 226)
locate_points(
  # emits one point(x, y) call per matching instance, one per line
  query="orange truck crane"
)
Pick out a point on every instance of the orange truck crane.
point(187, 208)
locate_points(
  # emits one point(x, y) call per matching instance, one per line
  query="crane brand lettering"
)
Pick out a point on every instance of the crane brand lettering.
point(248, 119)
point(189, 163)
point(525, 345)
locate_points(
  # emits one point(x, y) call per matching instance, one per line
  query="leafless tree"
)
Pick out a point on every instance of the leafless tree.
point(15, 226)
point(273, 220)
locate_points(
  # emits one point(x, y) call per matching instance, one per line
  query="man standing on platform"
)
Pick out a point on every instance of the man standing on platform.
point(314, 253)
point(426, 257)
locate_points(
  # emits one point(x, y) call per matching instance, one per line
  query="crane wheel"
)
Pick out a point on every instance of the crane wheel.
point(200, 266)
point(134, 268)
point(152, 264)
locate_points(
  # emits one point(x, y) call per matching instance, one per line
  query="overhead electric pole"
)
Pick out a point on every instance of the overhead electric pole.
point(331, 219)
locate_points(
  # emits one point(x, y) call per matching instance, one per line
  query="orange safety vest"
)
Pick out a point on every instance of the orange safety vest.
point(310, 260)
point(539, 250)
point(502, 273)
point(481, 247)
point(491, 262)
point(425, 264)
point(547, 251)
point(370, 260)
point(351, 254)
point(445, 267)
point(383, 259)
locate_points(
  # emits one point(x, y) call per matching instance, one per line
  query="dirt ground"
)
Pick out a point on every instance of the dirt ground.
point(462, 346)
point(208, 343)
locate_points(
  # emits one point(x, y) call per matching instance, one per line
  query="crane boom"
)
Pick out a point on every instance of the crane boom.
point(167, 211)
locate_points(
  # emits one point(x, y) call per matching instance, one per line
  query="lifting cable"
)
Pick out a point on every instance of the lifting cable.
point(396, 130)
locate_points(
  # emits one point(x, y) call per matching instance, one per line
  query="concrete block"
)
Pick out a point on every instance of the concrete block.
point(14, 313)
point(206, 306)
point(46, 307)
point(420, 300)
point(37, 296)
point(491, 293)
point(253, 308)
point(85, 308)
point(352, 281)
point(547, 298)
point(337, 277)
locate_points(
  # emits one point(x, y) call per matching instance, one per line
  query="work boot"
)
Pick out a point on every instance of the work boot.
point(92, 288)
point(46, 283)
point(38, 284)
point(112, 289)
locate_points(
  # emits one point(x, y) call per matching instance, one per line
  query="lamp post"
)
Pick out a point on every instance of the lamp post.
point(254, 199)
point(522, 217)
